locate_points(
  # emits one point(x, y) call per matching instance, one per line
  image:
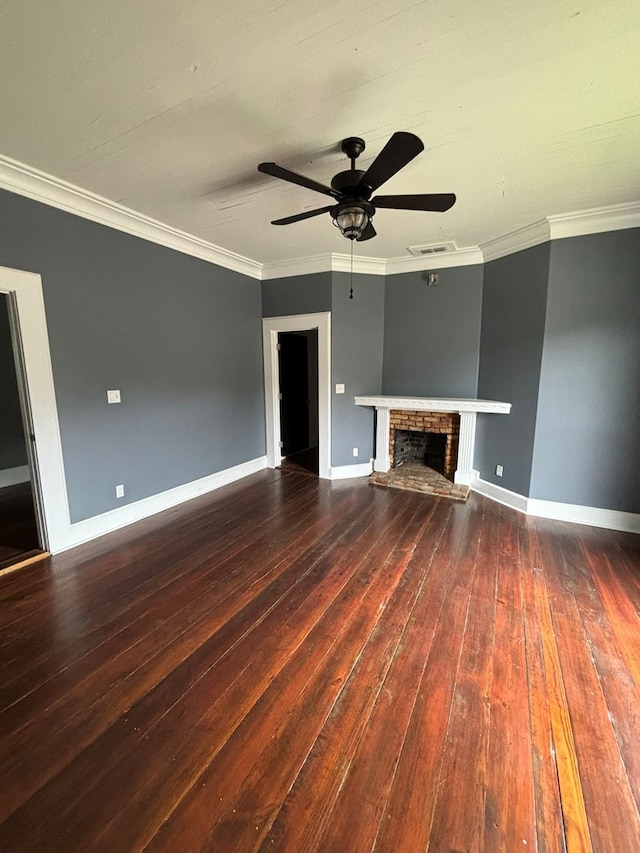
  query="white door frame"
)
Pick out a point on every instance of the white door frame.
point(271, 326)
point(47, 457)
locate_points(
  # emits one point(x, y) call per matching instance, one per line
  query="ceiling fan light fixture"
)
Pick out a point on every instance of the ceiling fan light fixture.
point(352, 219)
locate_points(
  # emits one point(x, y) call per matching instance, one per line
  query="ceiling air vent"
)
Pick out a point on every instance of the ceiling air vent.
point(434, 249)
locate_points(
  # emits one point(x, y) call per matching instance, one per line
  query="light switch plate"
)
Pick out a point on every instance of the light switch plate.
point(339, 388)
point(113, 396)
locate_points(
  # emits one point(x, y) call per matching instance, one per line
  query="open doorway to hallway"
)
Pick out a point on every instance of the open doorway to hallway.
point(298, 378)
point(271, 329)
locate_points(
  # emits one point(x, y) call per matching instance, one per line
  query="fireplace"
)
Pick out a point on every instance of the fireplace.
point(425, 448)
point(430, 438)
point(459, 446)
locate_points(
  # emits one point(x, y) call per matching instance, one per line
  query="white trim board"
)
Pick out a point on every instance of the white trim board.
point(271, 326)
point(597, 220)
point(346, 472)
point(27, 288)
point(14, 476)
point(610, 519)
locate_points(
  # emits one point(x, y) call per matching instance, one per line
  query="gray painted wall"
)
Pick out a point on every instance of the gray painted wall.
point(13, 453)
point(179, 337)
point(432, 334)
point(587, 443)
point(357, 332)
point(513, 316)
point(301, 294)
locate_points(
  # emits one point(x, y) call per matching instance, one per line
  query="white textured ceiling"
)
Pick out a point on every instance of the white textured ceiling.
point(526, 109)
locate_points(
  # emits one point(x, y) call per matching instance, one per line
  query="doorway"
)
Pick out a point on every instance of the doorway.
point(21, 538)
point(298, 375)
point(272, 327)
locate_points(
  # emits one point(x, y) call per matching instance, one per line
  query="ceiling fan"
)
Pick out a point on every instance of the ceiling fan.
point(353, 207)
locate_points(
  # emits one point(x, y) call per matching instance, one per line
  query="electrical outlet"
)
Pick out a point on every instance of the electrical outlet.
point(498, 470)
point(120, 491)
point(113, 396)
point(355, 451)
point(339, 388)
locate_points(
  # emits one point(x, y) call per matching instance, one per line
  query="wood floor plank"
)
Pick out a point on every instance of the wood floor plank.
point(612, 813)
point(463, 772)
point(574, 814)
point(369, 774)
point(408, 814)
point(308, 807)
point(545, 775)
point(615, 647)
point(301, 665)
point(509, 802)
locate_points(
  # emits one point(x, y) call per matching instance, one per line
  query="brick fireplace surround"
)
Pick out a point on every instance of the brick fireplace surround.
point(465, 408)
point(442, 423)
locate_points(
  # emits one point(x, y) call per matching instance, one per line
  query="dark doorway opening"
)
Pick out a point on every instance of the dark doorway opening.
point(298, 377)
point(19, 536)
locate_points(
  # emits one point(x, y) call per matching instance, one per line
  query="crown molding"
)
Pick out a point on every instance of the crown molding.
point(335, 262)
point(47, 189)
point(331, 262)
point(296, 266)
point(39, 186)
point(459, 258)
point(597, 220)
point(363, 266)
point(516, 241)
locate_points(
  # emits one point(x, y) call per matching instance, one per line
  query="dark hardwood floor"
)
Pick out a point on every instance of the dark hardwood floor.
point(290, 664)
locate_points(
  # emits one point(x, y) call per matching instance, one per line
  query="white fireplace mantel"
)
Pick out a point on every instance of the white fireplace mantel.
point(465, 407)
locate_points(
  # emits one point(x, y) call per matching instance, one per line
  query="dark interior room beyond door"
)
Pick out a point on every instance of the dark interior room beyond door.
point(19, 536)
point(298, 378)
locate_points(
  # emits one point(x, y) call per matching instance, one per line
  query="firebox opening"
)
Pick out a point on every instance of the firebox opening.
point(426, 448)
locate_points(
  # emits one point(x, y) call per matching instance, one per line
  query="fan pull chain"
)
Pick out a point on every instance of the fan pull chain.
point(351, 280)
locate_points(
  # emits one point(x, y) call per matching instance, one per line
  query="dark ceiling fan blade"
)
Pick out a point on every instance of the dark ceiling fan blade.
point(399, 150)
point(287, 220)
point(437, 202)
point(368, 233)
point(294, 178)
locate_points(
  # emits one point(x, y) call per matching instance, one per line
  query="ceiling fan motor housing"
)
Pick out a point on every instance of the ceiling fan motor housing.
point(347, 184)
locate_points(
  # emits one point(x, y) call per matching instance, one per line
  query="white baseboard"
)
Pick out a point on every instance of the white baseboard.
point(611, 519)
point(91, 528)
point(500, 495)
point(345, 472)
point(14, 476)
